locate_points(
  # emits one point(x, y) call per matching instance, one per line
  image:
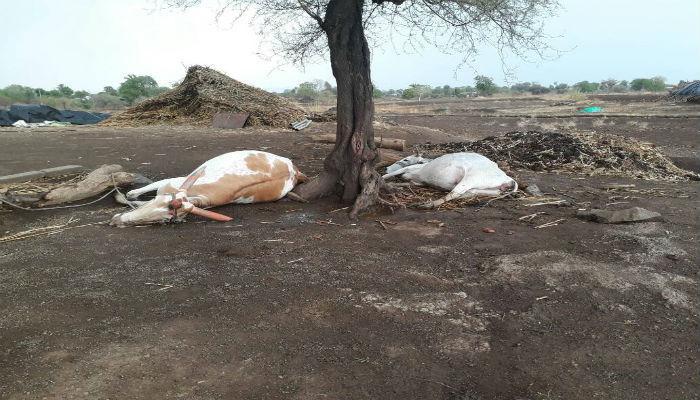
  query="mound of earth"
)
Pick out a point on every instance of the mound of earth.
point(588, 153)
point(329, 115)
point(205, 92)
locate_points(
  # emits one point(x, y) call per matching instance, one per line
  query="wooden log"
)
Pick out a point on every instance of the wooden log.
point(388, 157)
point(385, 143)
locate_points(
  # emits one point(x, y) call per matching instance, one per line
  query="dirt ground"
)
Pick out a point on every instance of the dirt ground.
point(294, 301)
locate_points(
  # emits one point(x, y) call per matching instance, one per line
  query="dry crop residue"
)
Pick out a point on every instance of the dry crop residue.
point(587, 153)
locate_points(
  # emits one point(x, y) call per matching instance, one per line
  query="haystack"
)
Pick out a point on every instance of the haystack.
point(205, 92)
point(586, 153)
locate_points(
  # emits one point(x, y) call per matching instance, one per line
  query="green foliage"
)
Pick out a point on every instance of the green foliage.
point(110, 91)
point(376, 93)
point(655, 84)
point(64, 90)
point(62, 102)
point(484, 85)
point(106, 101)
point(608, 85)
point(80, 94)
point(18, 94)
point(134, 87)
point(306, 91)
point(315, 90)
point(560, 87)
point(416, 91)
point(587, 87)
point(64, 97)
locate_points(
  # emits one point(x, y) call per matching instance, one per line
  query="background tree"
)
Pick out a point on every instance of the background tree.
point(586, 87)
point(560, 87)
point(655, 84)
point(416, 91)
point(64, 90)
point(339, 28)
point(110, 91)
point(134, 87)
point(608, 85)
point(447, 90)
point(484, 85)
point(306, 91)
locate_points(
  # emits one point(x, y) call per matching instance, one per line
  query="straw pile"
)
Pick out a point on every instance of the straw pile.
point(205, 92)
point(589, 153)
point(413, 196)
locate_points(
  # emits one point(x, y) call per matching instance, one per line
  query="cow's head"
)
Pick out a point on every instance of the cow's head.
point(167, 208)
point(406, 161)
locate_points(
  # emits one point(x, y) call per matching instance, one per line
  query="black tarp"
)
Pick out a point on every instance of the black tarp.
point(39, 113)
point(5, 119)
point(691, 89)
point(82, 117)
point(689, 92)
point(34, 113)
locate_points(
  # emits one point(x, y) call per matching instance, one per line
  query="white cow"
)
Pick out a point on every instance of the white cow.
point(463, 175)
point(241, 177)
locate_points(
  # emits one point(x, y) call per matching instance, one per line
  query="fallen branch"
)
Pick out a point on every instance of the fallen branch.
point(530, 217)
point(548, 224)
point(546, 203)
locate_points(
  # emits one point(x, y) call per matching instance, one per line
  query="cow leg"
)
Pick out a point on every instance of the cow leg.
point(174, 182)
point(403, 170)
point(121, 199)
point(481, 192)
point(461, 192)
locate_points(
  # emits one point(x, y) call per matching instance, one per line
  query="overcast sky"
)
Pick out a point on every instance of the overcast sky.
point(88, 44)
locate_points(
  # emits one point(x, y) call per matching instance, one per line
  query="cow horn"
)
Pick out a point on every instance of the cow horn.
point(192, 178)
point(210, 214)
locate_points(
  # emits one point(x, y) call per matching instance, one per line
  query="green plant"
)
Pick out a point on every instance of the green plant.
point(134, 87)
point(655, 84)
point(484, 85)
point(587, 87)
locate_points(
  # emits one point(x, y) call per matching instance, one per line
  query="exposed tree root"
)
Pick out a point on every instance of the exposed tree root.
point(371, 183)
point(318, 187)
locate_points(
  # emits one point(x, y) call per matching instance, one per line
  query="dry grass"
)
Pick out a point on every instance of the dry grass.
point(410, 196)
point(205, 92)
point(587, 153)
point(640, 125)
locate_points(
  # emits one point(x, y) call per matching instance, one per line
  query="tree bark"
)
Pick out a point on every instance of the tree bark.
point(350, 165)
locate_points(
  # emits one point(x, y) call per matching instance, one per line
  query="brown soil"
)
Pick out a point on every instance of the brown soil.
point(294, 300)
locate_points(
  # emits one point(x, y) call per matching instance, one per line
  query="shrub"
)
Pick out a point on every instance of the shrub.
point(655, 84)
point(484, 85)
point(106, 101)
point(586, 87)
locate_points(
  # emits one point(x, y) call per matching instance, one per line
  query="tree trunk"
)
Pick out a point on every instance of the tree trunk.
point(350, 165)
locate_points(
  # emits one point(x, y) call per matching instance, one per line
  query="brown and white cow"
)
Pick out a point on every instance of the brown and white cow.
point(240, 177)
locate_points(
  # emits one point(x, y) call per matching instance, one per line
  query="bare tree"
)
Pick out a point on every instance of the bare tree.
point(303, 29)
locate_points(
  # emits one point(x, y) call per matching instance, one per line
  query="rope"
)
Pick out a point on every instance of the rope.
point(3, 201)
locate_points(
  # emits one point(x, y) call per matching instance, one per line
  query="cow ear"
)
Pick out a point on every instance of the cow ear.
point(192, 178)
